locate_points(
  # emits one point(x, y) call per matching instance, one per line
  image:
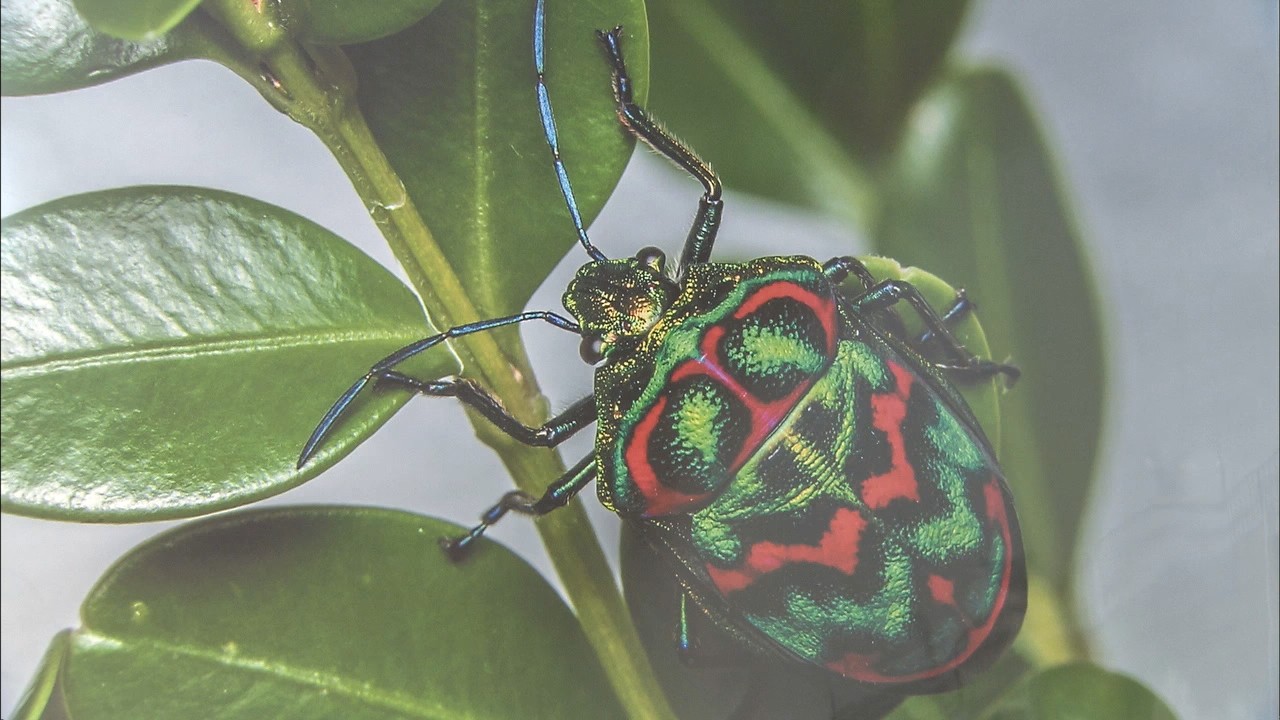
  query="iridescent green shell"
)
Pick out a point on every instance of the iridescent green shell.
point(821, 489)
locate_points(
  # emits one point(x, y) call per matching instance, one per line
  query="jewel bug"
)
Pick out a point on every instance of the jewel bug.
point(815, 480)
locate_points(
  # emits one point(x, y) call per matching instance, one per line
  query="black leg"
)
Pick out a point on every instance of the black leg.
point(549, 434)
point(697, 247)
point(957, 360)
point(556, 496)
point(839, 269)
point(385, 365)
point(961, 307)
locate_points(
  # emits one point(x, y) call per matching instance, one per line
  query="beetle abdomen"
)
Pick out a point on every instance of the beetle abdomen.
point(872, 534)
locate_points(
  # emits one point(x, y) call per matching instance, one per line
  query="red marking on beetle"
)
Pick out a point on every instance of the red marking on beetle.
point(860, 666)
point(824, 308)
point(765, 416)
point(837, 549)
point(942, 590)
point(659, 499)
point(888, 412)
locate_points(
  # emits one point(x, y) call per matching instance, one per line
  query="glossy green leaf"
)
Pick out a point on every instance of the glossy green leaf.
point(787, 100)
point(773, 689)
point(452, 103)
point(338, 22)
point(43, 699)
point(46, 46)
point(135, 19)
point(973, 194)
point(168, 350)
point(321, 612)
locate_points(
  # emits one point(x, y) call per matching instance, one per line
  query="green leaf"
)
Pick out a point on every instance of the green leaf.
point(451, 101)
point(46, 46)
point(973, 194)
point(775, 689)
point(167, 351)
point(1084, 690)
point(338, 22)
point(43, 699)
point(135, 19)
point(787, 103)
point(1078, 691)
point(322, 612)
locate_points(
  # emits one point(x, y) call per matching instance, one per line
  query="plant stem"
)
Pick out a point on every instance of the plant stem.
point(316, 87)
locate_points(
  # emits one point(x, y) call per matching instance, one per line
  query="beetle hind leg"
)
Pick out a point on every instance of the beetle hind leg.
point(937, 343)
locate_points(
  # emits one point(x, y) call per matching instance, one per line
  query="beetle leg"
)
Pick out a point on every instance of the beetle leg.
point(550, 434)
point(839, 269)
point(701, 643)
point(959, 359)
point(556, 496)
point(697, 247)
point(385, 365)
point(960, 308)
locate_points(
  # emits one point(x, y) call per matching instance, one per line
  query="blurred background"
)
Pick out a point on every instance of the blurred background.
point(1163, 116)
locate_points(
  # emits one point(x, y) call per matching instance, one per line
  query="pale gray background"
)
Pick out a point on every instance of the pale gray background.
point(1164, 114)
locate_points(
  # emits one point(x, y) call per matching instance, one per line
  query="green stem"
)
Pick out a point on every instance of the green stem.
point(316, 87)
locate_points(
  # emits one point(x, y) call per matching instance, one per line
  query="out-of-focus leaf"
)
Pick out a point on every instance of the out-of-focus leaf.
point(742, 686)
point(338, 22)
point(788, 101)
point(451, 101)
point(46, 46)
point(1084, 690)
point(1079, 691)
point(166, 351)
point(344, 613)
point(973, 195)
point(135, 19)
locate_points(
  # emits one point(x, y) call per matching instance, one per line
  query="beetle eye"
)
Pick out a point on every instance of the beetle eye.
point(591, 349)
point(653, 257)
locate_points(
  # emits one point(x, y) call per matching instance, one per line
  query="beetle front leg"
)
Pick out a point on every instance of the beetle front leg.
point(697, 247)
point(556, 496)
point(549, 434)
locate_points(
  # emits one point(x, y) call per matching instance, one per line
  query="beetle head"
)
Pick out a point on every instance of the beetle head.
point(618, 300)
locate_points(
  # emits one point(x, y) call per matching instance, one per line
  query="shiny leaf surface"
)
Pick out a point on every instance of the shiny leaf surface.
point(452, 103)
point(46, 46)
point(321, 612)
point(168, 350)
point(135, 19)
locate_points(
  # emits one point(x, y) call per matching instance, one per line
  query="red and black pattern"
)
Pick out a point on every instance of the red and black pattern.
point(965, 604)
point(670, 471)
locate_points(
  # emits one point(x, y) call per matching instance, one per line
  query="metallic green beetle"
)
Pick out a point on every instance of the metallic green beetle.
point(816, 482)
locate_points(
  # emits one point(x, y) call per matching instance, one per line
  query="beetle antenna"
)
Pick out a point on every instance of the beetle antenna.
point(549, 130)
